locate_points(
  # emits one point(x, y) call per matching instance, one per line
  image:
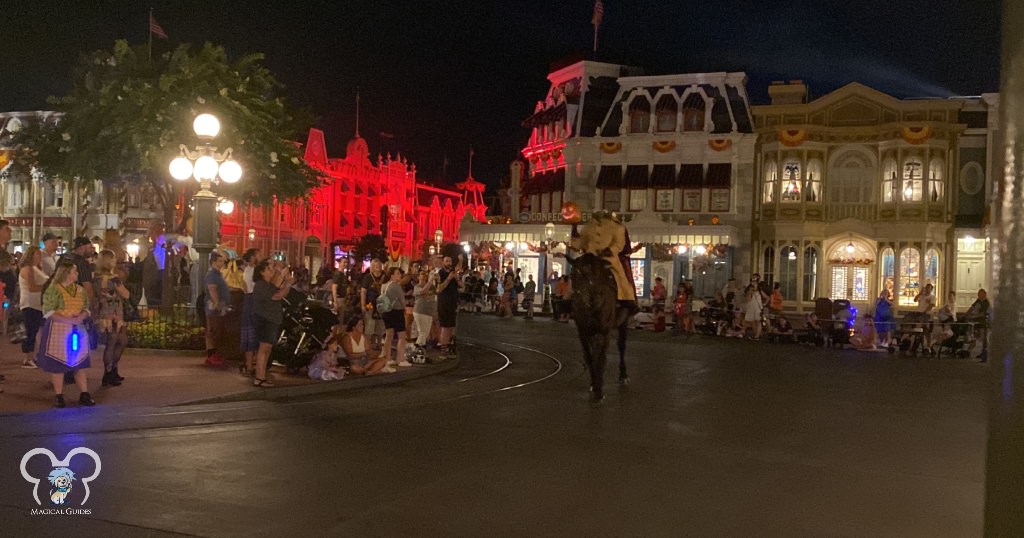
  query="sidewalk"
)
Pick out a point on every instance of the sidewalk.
point(161, 378)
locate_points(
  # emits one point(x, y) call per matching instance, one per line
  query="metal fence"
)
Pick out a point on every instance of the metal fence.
point(172, 327)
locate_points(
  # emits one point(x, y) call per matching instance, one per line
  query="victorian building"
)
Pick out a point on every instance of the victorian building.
point(859, 191)
point(673, 154)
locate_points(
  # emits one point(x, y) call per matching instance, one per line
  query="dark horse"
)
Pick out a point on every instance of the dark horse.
point(597, 311)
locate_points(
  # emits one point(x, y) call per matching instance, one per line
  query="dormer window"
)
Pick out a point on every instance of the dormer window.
point(640, 115)
point(666, 113)
point(693, 113)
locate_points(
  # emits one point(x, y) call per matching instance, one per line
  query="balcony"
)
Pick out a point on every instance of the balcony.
point(866, 212)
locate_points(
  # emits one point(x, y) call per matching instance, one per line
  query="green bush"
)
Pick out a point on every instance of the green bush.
point(167, 332)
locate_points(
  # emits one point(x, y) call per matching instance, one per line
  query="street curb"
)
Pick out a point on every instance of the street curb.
point(323, 387)
point(145, 351)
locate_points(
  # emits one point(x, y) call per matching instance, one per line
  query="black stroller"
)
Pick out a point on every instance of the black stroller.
point(957, 344)
point(842, 314)
point(305, 328)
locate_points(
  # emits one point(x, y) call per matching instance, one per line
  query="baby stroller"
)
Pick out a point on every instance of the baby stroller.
point(957, 343)
point(841, 316)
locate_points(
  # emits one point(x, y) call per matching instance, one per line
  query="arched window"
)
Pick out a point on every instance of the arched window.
point(889, 178)
point(887, 270)
point(771, 176)
point(910, 276)
point(791, 180)
point(666, 113)
point(931, 270)
point(693, 112)
point(936, 185)
point(640, 115)
point(787, 272)
point(810, 274)
point(813, 189)
point(912, 189)
point(768, 265)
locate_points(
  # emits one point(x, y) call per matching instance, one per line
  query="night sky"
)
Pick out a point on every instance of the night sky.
point(441, 76)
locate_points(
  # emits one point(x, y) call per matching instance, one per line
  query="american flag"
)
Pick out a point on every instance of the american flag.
point(598, 13)
point(155, 29)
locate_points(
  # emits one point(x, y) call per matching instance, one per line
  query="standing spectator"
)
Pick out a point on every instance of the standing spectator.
point(681, 309)
point(529, 293)
point(64, 347)
point(324, 275)
point(339, 287)
point(394, 318)
point(409, 281)
point(658, 293)
point(775, 301)
point(448, 303)
point(250, 345)
point(753, 307)
point(111, 296)
point(492, 292)
point(424, 310)
point(563, 293)
point(8, 270)
point(31, 279)
point(925, 304)
point(217, 305)
point(978, 313)
point(372, 282)
point(267, 322)
point(884, 320)
point(49, 253)
point(153, 265)
point(301, 277)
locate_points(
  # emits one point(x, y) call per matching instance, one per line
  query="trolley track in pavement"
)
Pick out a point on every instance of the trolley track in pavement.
point(493, 371)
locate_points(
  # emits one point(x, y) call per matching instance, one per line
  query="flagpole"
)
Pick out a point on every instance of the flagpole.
point(149, 26)
point(595, 41)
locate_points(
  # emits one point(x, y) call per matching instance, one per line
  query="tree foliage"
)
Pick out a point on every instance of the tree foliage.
point(370, 246)
point(126, 116)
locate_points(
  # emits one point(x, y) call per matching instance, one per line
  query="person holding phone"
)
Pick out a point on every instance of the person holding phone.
point(448, 303)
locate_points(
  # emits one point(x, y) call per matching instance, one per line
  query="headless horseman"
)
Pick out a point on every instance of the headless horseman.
point(607, 237)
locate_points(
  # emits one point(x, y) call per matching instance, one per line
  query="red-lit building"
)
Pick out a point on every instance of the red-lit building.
point(356, 194)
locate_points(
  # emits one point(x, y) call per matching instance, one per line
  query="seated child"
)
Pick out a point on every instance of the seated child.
point(325, 365)
point(864, 335)
point(813, 333)
point(659, 319)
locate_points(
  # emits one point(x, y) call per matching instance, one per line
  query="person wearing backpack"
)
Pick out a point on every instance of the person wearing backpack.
point(391, 305)
point(369, 290)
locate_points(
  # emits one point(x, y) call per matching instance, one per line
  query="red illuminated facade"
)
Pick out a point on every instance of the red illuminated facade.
point(352, 201)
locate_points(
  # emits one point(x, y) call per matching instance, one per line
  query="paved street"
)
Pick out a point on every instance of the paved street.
point(714, 437)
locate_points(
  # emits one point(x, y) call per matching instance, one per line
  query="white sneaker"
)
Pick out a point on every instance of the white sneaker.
point(388, 370)
point(404, 364)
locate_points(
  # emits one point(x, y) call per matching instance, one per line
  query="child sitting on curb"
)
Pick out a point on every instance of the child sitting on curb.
point(325, 365)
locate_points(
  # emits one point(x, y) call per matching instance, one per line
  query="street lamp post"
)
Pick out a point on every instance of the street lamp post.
point(438, 239)
point(207, 166)
point(545, 303)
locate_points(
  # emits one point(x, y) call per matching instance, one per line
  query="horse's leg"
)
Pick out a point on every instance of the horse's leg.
point(597, 348)
point(622, 319)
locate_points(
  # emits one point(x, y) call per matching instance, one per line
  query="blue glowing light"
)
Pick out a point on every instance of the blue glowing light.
point(74, 341)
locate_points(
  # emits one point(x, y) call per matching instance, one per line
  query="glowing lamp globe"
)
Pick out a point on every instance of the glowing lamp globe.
point(206, 126)
point(181, 168)
point(230, 171)
point(226, 207)
point(205, 168)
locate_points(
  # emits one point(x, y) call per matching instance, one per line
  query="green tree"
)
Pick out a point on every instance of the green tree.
point(126, 115)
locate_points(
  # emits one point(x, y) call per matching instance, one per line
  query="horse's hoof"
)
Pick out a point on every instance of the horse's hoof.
point(624, 380)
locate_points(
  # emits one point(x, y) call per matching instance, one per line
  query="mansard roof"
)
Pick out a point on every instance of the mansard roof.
point(730, 109)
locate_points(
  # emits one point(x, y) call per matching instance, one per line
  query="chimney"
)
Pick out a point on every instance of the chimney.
point(793, 93)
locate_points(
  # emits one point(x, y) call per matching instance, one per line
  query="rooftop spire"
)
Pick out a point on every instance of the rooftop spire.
point(470, 176)
point(357, 113)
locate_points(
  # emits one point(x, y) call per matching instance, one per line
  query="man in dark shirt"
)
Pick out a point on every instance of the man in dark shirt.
point(339, 287)
point(218, 301)
point(448, 303)
point(369, 290)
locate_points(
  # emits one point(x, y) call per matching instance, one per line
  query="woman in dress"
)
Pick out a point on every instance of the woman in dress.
point(64, 347)
point(250, 346)
point(361, 357)
point(884, 319)
point(752, 310)
point(110, 319)
point(267, 321)
point(30, 281)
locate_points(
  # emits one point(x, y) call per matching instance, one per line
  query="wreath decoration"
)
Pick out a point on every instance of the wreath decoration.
point(610, 147)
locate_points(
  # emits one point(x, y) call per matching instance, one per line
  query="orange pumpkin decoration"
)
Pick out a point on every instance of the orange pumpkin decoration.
point(5, 158)
point(610, 147)
point(571, 212)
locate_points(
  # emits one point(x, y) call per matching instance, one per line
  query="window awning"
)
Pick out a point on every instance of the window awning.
point(610, 177)
point(691, 176)
point(545, 117)
point(663, 176)
point(719, 175)
point(636, 177)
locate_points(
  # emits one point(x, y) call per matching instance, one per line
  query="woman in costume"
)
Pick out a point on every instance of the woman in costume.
point(64, 346)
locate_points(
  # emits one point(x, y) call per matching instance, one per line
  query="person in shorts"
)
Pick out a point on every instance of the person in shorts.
point(448, 303)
